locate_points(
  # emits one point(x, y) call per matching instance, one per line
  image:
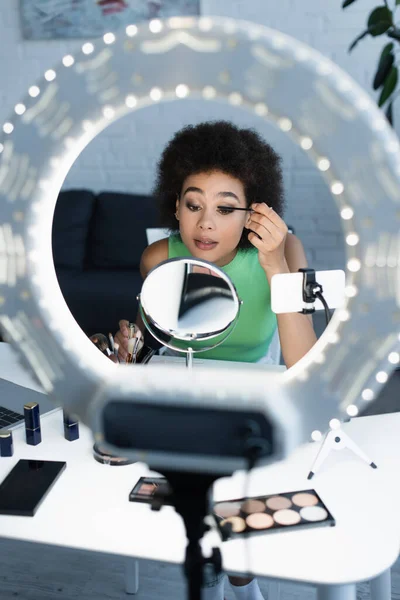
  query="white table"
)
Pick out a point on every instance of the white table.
point(88, 508)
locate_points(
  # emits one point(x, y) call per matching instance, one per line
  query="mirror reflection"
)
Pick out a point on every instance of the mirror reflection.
point(200, 305)
point(221, 194)
point(198, 302)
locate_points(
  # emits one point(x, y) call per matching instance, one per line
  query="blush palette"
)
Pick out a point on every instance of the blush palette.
point(152, 490)
point(265, 514)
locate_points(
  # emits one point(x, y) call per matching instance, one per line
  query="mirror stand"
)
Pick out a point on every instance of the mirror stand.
point(189, 358)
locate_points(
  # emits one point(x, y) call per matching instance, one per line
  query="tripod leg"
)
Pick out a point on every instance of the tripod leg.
point(349, 443)
point(326, 447)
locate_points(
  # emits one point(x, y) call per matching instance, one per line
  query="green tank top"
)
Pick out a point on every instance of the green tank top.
point(256, 325)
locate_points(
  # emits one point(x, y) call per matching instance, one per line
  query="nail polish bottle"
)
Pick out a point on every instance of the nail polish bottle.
point(6, 443)
point(32, 424)
point(71, 427)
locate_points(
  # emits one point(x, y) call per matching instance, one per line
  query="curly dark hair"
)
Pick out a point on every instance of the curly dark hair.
point(218, 146)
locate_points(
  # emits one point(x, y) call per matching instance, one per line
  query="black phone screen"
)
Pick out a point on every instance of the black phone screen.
point(27, 484)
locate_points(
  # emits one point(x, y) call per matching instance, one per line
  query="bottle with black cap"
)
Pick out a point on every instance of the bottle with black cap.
point(71, 427)
point(6, 443)
point(32, 424)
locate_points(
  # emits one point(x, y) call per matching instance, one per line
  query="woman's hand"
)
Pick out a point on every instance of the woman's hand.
point(122, 336)
point(272, 230)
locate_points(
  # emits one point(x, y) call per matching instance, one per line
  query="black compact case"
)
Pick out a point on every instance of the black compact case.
point(26, 486)
point(152, 490)
point(267, 514)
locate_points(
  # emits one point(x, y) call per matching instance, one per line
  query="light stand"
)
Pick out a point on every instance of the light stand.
point(335, 439)
point(190, 499)
point(190, 493)
point(224, 437)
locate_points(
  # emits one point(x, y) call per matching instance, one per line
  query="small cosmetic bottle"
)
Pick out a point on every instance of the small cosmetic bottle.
point(71, 427)
point(32, 424)
point(6, 443)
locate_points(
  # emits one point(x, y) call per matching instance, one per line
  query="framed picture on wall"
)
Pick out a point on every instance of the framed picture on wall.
point(54, 19)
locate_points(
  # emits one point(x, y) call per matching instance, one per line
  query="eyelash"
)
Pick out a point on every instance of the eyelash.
point(224, 211)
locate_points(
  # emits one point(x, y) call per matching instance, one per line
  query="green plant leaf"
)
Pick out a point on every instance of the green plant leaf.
point(379, 15)
point(348, 2)
point(397, 2)
point(362, 35)
point(358, 38)
point(389, 86)
point(381, 19)
point(394, 33)
point(386, 49)
point(389, 110)
point(385, 64)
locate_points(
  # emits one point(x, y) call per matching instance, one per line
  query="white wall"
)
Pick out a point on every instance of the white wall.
point(123, 157)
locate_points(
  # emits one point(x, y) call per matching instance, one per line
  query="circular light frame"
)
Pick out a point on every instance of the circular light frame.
point(280, 80)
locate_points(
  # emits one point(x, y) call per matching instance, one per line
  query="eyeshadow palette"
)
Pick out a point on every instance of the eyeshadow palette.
point(152, 490)
point(265, 514)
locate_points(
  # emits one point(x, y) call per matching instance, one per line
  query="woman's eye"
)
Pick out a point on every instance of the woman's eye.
point(192, 207)
point(196, 208)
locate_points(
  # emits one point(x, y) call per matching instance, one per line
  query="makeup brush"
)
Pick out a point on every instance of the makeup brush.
point(235, 208)
point(240, 208)
point(101, 342)
point(111, 338)
point(133, 347)
point(136, 348)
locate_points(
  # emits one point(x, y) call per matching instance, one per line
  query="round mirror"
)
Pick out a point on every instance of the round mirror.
point(189, 305)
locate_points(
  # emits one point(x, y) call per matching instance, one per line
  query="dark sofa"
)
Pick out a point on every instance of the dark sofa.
point(97, 244)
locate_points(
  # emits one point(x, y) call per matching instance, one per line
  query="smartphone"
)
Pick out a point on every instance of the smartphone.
point(287, 291)
point(26, 486)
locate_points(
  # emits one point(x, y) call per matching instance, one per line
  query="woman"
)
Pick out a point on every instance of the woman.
point(216, 164)
point(206, 172)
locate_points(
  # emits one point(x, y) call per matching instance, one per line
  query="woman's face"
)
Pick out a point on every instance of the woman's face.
point(209, 232)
